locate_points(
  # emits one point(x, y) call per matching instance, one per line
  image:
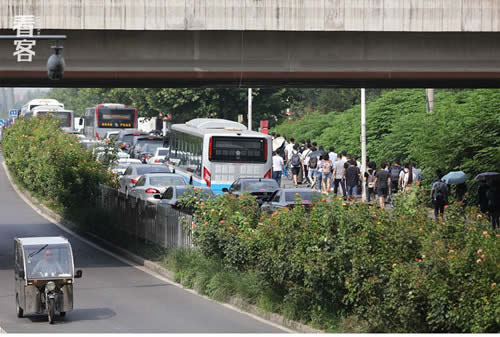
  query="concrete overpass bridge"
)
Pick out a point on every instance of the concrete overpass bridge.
point(162, 43)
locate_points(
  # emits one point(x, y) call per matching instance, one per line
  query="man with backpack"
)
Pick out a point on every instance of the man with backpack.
point(313, 167)
point(395, 172)
point(295, 163)
point(439, 195)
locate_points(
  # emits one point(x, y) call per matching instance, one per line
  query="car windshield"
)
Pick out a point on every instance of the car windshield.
point(306, 196)
point(259, 186)
point(167, 181)
point(48, 261)
point(157, 169)
point(151, 147)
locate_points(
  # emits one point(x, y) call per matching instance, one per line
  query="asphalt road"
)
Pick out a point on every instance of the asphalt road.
point(112, 297)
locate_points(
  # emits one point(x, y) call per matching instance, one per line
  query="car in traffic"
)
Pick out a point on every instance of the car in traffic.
point(261, 188)
point(171, 196)
point(150, 184)
point(159, 157)
point(129, 178)
point(125, 138)
point(148, 151)
point(141, 142)
point(286, 198)
point(122, 164)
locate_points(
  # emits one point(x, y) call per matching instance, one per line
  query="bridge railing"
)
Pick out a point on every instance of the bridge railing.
point(143, 220)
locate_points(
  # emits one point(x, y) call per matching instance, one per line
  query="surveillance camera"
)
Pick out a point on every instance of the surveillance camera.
point(55, 65)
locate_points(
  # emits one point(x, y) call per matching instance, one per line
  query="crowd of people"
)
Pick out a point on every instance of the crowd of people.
point(326, 171)
point(310, 164)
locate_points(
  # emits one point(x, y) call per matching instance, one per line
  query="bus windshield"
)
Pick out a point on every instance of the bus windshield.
point(238, 149)
point(63, 116)
point(116, 118)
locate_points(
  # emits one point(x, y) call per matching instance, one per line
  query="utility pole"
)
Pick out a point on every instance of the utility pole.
point(250, 109)
point(363, 143)
point(429, 97)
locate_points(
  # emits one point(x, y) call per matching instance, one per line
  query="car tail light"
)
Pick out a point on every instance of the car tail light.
point(207, 177)
point(134, 181)
point(152, 191)
point(268, 174)
point(97, 135)
point(157, 160)
point(210, 147)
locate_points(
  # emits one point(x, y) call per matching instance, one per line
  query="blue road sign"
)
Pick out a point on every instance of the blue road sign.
point(13, 113)
point(2, 123)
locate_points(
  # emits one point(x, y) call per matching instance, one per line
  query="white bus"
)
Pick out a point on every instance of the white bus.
point(216, 152)
point(108, 117)
point(26, 109)
point(66, 117)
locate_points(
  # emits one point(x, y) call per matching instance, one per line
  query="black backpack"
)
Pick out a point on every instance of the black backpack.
point(313, 162)
point(395, 171)
point(440, 192)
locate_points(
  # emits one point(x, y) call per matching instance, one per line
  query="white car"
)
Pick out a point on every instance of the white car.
point(159, 157)
point(148, 185)
point(122, 164)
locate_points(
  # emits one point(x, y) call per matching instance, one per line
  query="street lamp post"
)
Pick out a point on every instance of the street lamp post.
point(250, 109)
point(363, 143)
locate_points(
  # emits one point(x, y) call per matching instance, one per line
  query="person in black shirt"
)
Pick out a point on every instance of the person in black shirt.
point(352, 178)
point(382, 183)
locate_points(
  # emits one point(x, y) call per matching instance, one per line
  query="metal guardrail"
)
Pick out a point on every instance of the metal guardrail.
point(143, 220)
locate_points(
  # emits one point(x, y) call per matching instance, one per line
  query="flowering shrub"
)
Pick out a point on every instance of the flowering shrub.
point(398, 270)
point(52, 164)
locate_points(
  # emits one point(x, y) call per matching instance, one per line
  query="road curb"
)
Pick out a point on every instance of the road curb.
point(234, 303)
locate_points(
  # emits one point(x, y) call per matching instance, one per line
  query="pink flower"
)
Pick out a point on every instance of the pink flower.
point(482, 256)
point(479, 251)
point(478, 261)
point(394, 265)
point(485, 232)
point(222, 221)
point(417, 259)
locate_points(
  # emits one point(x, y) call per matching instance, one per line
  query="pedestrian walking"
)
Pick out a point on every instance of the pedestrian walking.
point(278, 164)
point(295, 163)
point(313, 166)
point(417, 172)
point(305, 162)
point(338, 176)
point(370, 177)
point(406, 177)
point(439, 195)
point(326, 173)
point(395, 171)
point(352, 179)
point(382, 184)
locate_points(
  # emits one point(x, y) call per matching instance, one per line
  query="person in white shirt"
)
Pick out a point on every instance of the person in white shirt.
point(332, 156)
point(289, 150)
point(305, 162)
point(407, 177)
point(277, 167)
point(338, 174)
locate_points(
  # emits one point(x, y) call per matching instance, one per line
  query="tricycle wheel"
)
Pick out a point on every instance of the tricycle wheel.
point(19, 310)
point(51, 309)
point(62, 313)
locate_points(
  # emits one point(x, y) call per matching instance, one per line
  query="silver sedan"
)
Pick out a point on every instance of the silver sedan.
point(149, 185)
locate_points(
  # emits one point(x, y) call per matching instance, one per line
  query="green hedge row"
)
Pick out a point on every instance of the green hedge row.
point(52, 164)
point(394, 271)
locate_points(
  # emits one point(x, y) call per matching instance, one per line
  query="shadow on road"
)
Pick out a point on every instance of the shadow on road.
point(77, 315)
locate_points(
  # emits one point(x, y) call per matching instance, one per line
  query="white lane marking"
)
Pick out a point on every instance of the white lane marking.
point(132, 264)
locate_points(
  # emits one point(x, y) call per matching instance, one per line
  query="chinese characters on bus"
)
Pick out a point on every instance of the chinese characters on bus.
point(24, 25)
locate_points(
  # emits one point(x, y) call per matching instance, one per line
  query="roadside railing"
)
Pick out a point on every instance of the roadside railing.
point(144, 220)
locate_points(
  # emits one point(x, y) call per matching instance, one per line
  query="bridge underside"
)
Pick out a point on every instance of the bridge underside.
point(262, 59)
